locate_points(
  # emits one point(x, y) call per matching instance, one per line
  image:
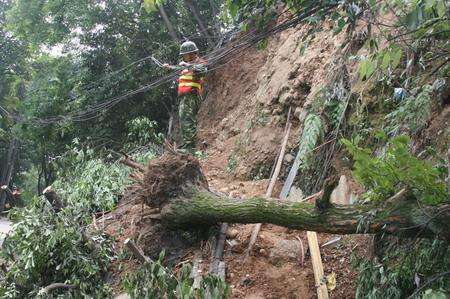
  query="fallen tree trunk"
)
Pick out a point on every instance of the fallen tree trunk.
point(175, 184)
point(405, 217)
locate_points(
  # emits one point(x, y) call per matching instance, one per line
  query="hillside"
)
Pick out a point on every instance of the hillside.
point(341, 107)
point(241, 124)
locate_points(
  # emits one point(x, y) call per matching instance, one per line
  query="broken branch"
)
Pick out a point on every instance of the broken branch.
point(137, 252)
point(57, 285)
point(128, 161)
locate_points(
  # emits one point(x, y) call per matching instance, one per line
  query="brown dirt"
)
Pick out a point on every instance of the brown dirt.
point(286, 279)
point(241, 121)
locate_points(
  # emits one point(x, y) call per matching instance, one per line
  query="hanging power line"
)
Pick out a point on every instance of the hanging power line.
point(216, 58)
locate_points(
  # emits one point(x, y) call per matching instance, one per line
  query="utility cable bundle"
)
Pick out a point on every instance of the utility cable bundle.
point(216, 59)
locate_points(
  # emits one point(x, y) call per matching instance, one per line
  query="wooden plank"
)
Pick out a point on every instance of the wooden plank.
point(291, 177)
point(322, 292)
point(222, 270)
point(196, 272)
point(137, 252)
point(218, 252)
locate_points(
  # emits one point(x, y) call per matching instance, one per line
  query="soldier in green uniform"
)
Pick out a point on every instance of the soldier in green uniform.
point(190, 88)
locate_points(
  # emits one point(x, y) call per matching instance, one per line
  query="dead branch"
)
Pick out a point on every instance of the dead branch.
point(128, 161)
point(137, 252)
point(57, 285)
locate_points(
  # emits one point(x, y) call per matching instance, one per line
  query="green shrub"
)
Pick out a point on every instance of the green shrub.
point(406, 265)
point(412, 114)
point(142, 131)
point(395, 169)
point(153, 280)
point(46, 247)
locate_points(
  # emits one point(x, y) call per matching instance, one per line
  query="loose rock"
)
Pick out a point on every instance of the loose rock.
point(232, 233)
point(285, 250)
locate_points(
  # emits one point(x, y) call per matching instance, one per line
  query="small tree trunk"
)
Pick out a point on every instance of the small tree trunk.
point(195, 11)
point(8, 169)
point(170, 28)
point(214, 9)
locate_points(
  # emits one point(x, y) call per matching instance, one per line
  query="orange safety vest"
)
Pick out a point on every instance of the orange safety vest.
point(189, 82)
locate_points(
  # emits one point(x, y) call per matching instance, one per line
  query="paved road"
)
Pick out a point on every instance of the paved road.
point(5, 227)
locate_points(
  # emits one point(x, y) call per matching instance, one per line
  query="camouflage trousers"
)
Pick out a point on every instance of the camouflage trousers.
point(189, 105)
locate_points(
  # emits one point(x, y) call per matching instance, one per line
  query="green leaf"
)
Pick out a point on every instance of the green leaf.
point(433, 294)
point(396, 57)
point(440, 7)
point(150, 5)
point(233, 8)
point(366, 69)
point(340, 25)
point(385, 61)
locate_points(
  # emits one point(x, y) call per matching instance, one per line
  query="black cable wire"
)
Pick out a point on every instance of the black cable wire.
point(214, 57)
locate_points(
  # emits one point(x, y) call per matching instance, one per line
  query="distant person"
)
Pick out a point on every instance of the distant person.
point(190, 89)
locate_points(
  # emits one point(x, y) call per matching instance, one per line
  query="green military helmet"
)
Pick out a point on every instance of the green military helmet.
point(188, 47)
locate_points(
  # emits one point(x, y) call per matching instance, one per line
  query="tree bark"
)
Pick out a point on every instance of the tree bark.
point(8, 169)
point(128, 161)
point(176, 185)
point(53, 199)
point(57, 285)
point(173, 34)
point(404, 217)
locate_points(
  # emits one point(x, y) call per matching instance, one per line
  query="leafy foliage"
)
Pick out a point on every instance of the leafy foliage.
point(153, 280)
point(62, 57)
point(406, 266)
point(90, 185)
point(52, 249)
point(412, 113)
point(420, 26)
point(142, 131)
point(385, 60)
point(312, 133)
point(396, 168)
point(56, 247)
point(152, 5)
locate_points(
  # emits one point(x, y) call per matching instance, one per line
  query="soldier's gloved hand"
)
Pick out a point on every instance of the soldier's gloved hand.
point(183, 63)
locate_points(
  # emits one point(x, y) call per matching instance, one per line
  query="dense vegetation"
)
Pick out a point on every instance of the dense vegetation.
point(64, 64)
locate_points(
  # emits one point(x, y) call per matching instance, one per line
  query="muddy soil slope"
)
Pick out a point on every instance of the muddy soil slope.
point(242, 122)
